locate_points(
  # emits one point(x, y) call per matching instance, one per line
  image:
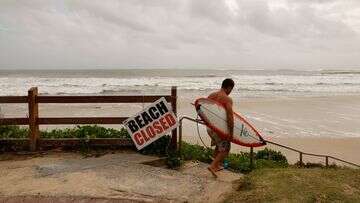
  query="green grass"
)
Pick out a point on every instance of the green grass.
point(237, 162)
point(240, 162)
point(84, 132)
point(273, 179)
point(9, 131)
point(298, 185)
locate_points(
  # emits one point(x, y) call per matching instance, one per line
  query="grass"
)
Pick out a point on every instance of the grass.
point(237, 162)
point(9, 131)
point(82, 132)
point(298, 185)
point(240, 162)
point(273, 179)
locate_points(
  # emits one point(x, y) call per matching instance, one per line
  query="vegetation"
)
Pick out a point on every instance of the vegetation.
point(9, 131)
point(240, 162)
point(274, 180)
point(298, 185)
point(86, 132)
point(82, 132)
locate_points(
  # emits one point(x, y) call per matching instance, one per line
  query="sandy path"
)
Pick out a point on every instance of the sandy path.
point(113, 176)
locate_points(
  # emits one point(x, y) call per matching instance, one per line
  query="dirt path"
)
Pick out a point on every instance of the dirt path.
point(121, 176)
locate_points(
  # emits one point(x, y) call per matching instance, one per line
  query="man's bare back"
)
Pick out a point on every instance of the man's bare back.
point(221, 97)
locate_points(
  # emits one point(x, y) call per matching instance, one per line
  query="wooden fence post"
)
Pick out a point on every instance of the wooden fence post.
point(33, 118)
point(326, 161)
point(173, 106)
point(301, 158)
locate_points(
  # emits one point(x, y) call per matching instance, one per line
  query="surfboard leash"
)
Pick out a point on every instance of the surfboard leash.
point(198, 131)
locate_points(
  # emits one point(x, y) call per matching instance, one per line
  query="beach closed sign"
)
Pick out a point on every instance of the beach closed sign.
point(155, 121)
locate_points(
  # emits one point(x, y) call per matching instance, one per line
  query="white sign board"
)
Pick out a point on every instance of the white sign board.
point(155, 121)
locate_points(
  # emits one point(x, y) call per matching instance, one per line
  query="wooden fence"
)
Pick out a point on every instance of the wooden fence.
point(33, 100)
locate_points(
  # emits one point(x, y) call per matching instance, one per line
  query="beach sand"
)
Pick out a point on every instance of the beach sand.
point(120, 176)
point(326, 125)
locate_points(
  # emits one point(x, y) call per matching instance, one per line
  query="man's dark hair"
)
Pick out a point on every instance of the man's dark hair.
point(228, 82)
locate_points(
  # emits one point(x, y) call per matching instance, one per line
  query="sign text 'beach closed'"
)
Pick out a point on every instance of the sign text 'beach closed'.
point(155, 121)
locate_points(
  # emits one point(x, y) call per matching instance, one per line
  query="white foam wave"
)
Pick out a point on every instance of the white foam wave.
point(317, 83)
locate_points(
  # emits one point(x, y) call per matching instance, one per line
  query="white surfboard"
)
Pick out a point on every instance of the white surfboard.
point(214, 116)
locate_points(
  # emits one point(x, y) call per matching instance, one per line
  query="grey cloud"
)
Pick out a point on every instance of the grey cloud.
point(113, 13)
point(213, 10)
point(181, 33)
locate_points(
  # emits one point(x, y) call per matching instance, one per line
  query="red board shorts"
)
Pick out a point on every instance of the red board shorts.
point(221, 145)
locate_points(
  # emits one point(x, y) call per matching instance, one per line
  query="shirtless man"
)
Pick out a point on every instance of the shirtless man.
point(222, 146)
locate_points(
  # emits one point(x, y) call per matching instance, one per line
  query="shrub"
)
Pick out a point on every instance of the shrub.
point(86, 132)
point(265, 158)
point(159, 147)
point(269, 154)
point(173, 160)
point(12, 131)
point(196, 152)
point(237, 161)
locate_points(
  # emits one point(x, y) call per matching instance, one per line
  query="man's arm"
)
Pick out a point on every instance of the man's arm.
point(230, 117)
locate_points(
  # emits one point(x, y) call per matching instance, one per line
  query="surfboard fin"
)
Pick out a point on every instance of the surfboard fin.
point(263, 141)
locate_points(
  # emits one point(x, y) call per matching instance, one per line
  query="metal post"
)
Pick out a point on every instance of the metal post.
point(326, 161)
point(180, 135)
point(251, 157)
point(173, 105)
point(33, 118)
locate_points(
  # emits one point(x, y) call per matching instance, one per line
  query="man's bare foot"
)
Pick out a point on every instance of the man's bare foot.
point(212, 172)
point(219, 168)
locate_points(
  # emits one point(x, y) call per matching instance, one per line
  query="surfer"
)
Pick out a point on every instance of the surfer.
point(222, 146)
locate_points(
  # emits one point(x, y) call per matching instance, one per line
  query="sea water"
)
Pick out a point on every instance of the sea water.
point(249, 83)
point(279, 103)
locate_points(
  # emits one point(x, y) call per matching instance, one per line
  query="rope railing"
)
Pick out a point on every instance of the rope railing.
point(301, 153)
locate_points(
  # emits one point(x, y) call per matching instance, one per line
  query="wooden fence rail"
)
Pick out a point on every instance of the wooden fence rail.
point(33, 99)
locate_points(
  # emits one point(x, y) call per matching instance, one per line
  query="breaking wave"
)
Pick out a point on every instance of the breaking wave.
point(250, 83)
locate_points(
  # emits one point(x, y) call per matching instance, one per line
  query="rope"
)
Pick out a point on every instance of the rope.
point(198, 131)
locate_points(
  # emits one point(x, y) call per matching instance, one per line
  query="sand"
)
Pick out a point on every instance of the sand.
point(68, 177)
point(326, 125)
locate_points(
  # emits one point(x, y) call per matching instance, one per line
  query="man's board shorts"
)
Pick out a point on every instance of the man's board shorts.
point(222, 145)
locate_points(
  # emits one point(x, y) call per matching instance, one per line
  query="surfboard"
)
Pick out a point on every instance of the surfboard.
point(214, 116)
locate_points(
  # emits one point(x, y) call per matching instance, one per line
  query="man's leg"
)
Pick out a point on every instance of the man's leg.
point(216, 152)
point(214, 166)
point(223, 151)
point(218, 167)
point(226, 149)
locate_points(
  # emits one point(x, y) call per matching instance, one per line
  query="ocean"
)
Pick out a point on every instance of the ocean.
point(279, 103)
point(249, 83)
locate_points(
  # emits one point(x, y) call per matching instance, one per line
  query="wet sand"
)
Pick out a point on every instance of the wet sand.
point(326, 125)
point(323, 125)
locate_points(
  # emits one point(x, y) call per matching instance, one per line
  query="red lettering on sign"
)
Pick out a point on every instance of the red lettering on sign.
point(138, 139)
point(163, 123)
point(150, 131)
point(157, 127)
point(170, 119)
point(144, 136)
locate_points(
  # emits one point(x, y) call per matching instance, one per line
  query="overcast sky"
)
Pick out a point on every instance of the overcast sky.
point(301, 34)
